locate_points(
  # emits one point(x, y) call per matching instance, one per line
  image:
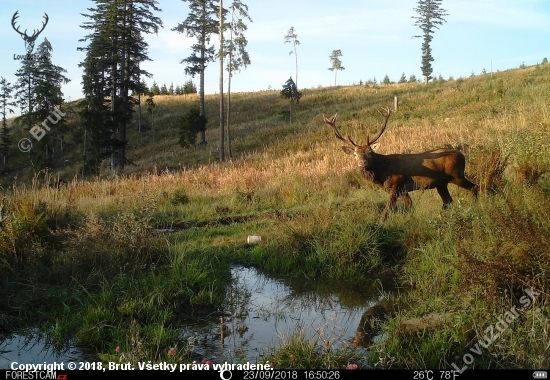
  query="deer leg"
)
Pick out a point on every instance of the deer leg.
point(444, 194)
point(465, 184)
point(389, 206)
point(407, 198)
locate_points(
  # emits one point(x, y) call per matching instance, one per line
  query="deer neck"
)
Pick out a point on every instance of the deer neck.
point(376, 172)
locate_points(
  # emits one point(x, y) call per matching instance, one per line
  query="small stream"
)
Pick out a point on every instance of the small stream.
point(262, 312)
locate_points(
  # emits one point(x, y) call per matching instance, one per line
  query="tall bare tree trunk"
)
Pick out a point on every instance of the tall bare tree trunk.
point(222, 134)
point(203, 133)
point(229, 150)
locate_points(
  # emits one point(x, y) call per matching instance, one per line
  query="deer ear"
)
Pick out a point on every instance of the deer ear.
point(375, 147)
point(348, 150)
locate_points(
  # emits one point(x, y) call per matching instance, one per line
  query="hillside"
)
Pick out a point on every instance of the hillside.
point(260, 121)
point(95, 246)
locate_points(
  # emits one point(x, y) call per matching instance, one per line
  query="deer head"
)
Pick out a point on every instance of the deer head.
point(29, 40)
point(362, 153)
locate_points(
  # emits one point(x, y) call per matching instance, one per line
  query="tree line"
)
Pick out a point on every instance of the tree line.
point(188, 88)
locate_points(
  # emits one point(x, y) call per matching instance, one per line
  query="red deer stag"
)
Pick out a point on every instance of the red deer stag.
point(400, 173)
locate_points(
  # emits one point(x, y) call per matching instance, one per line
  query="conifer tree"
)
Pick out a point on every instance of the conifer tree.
point(49, 97)
point(6, 103)
point(336, 63)
point(201, 23)
point(430, 16)
point(189, 88)
point(24, 86)
point(290, 91)
point(292, 37)
point(235, 49)
point(118, 27)
point(155, 90)
point(39, 94)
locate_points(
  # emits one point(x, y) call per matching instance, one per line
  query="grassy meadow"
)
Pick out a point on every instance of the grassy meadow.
point(88, 263)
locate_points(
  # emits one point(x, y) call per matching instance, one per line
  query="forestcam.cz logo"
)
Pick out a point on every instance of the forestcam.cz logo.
point(29, 40)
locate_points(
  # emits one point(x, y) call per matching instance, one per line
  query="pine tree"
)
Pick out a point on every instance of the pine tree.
point(336, 63)
point(171, 89)
point(430, 16)
point(163, 89)
point(201, 23)
point(292, 37)
point(403, 78)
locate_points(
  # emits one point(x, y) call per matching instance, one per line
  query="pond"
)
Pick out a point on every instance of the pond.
point(263, 312)
point(29, 349)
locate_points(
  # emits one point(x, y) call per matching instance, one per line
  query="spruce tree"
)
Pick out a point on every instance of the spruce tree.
point(201, 23)
point(120, 25)
point(290, 91)
point(191, 124)
point(430, 16)
point(189, 88)
point(5, 107)
point(155, 90)
point(39, 94)
point(235, 49)
point(49, 97)
point(24, 90)
point(96, 116)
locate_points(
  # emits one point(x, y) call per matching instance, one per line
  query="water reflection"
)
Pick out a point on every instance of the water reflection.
point(261, 310)
point(29, 349)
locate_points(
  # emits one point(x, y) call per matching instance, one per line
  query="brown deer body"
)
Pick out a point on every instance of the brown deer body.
point(398, 174)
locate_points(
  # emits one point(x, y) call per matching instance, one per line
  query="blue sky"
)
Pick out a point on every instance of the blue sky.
point(373, 35)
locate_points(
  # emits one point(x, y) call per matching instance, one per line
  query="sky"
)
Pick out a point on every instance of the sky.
point(374, 36)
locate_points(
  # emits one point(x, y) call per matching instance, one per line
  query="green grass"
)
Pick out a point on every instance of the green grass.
point(93, 249)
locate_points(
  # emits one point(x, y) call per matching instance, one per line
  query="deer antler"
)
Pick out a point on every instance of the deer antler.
point(377, 136)
point(332, 123)
point(15, 16)
point(24, 34)
point(37, 32)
